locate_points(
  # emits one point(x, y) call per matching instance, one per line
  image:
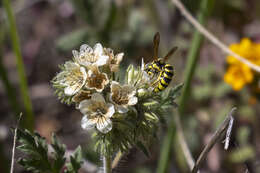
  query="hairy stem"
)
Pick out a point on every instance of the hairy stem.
point(107, 164)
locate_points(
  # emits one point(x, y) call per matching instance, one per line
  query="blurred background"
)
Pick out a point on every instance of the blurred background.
point(50, 29)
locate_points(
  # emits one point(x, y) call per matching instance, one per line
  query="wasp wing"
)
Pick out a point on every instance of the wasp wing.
point(156, 42)
point(170, 53)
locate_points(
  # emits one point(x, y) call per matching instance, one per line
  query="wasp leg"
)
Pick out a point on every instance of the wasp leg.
point(157, 80)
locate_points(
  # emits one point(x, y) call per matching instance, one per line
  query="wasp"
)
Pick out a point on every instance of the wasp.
point(159, 68)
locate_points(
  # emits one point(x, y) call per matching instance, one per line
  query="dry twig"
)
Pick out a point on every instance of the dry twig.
point(211, 37)
point(116, 159)
point(183, 143)
point(215, 138)
point(14, 143)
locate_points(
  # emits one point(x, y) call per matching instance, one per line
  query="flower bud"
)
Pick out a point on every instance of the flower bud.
point(142, 92)
point(151, 103)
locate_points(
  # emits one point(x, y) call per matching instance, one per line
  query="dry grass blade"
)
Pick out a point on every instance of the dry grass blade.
point(14, 143)
point(117, 159)
point(215, 138)
point(183, 143)
point(211, 37)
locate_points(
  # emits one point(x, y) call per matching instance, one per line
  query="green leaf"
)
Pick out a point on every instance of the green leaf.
point(59, 151)
point(142, 147)
point(75, 161)
point(38, 160)
point(36, 148)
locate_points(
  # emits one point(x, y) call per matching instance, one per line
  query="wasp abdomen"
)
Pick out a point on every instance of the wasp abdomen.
point(165, 78)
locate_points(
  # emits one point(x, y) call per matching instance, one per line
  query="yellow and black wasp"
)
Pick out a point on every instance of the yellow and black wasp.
point(159, 68)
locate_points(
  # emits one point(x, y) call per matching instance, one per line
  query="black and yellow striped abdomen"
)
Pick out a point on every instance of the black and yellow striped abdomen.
point(165, 76)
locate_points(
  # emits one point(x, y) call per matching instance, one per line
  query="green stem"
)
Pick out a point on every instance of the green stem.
point(29, 118)
point(205, 8)
point(10, 91)
point(166, 150)
point(107, 164)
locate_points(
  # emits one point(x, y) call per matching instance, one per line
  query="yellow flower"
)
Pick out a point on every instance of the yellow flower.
point(239, 74)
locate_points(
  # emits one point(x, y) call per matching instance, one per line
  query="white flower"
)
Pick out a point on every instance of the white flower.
point(81, 95)
point(122, 96)
point(90, 57)
point(96, 80)
point(114, 60)
point(97, 113)
point(73, 78)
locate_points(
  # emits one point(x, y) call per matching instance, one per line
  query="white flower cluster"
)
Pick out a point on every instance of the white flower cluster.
point(88, 81)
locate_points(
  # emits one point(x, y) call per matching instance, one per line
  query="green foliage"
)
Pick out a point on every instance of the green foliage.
point(38, 160)
point(36, 148)
point(242, 154)
point(75, 161)
point(10, 91)
point(29, 120)
point(58, 155)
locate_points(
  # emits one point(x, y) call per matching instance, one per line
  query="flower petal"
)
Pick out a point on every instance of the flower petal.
point(102, 60)
point(88, 123)
point(104, 125)
point(98, 49)
point(98, 98)
point(122, 109)
point(132, 101)
point(115, 86)
point(110, 111)
point(119, 57)
point(71, 90)
point(84, 74)
point(75, 53)
point(84, 106)
point(70, 65)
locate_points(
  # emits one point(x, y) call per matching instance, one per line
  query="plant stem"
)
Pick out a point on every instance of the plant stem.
point(205, 8)
point(14, 144)
point(165, 150)
point(213, 38)
point(117, 159)
point(214, 139)
point(10, 91)
point(29, 118)
point(107, 164)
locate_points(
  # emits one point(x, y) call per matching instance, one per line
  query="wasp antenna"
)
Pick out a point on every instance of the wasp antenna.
point(156, 42)
point(171, 52)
